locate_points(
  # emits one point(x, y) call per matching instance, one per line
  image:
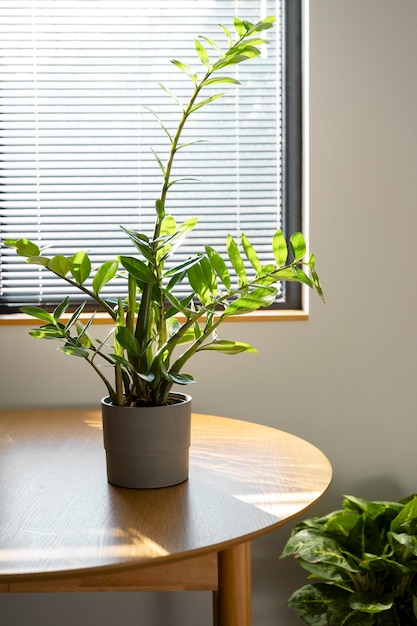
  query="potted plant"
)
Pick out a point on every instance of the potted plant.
point(365, 559)
point(155, 332)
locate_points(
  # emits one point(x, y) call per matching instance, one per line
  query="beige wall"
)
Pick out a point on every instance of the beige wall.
point(345, 380)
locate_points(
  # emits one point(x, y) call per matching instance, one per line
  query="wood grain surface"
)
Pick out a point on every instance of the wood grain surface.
point(60, 517)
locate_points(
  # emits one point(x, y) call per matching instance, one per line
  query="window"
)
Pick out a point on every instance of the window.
point(78, 79)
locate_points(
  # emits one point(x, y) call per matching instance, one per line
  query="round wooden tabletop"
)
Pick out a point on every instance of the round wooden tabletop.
point(58, 514)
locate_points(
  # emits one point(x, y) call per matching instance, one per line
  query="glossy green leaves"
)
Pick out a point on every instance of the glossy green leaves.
point(236, 259)
point(105, 273)
point(219, 266)
point(365, 559)
point(75, 343)
point(228, 347)
point(80, 266)
point(38, 313)
point(23, 247)
point(138, 269)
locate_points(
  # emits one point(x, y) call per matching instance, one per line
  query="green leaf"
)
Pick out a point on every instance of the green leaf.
point(314, 277)
point(248, 25)
point(171, 241)
point(158, 160)
point(74, 317)
point(228, 347)
point(221, 79)
point(161, 124)
point(211, 43)
point(340, 523)
point(191, 143)
point(61, 308)
point(23, 246)
point(301, 276)
point(184, 179)
point(168, 233)
point(206, 101)
point(298, 246)
point(147, 376)
point(202, 53)
point(404, 545)
point(219, 266)
point(372, 508)
point(138, 269)
point(243, 52)
point(178, 306)
point(60, 265)
point(170, 230)
point(117, 358)
point(293, 274)
point(209, 276)
point(187, 69)
point(38, 313)
point(255, 41)
point(189, 335)
point(406, 520)
point(240, 27)
point(312, 601)
point(104, 274)
point(228, 34)
point(251, 254)
point(363, 601)
point(83, 339)
point(236, 259)
point(82, 329)
point(175, 280)
point(141, 242)
point(260, 297)
point(198, 283)
point(264, 24)
point(47, 332)
point(80, 266)
point(180, 379)
point(340, 612)
point(314, 547)
point(75, 351)
point(160, 209)
point(168, 226)
point(38, 260)
point(183, 267)
point(280, 248)
point(171, 95)
point(128, 340)
point(233, 60)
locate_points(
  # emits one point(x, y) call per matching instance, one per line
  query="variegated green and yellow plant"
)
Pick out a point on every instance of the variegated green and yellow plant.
point(150, 325)
point(364, 560)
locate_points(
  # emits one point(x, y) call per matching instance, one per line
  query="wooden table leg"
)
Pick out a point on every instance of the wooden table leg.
point(233, 599)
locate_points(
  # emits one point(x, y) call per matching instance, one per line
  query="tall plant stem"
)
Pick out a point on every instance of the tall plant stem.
point(143, 330)
point(174, 147)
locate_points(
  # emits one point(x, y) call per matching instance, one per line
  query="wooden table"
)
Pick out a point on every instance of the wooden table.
point(64, 528)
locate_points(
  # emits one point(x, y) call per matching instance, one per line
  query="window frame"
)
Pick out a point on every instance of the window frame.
point(292, 149)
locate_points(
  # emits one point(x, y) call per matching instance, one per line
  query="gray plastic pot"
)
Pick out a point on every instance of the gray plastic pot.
point(147, 447)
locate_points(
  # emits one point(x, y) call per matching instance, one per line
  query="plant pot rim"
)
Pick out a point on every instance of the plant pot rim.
point(180, 398)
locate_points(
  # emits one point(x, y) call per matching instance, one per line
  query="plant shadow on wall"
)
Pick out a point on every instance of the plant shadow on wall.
point(365, 559)
point(151, 322)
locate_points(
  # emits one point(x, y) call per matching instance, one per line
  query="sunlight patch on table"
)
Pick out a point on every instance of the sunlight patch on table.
point(279, 504)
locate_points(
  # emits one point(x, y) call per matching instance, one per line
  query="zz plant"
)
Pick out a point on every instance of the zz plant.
point(151, 324)
point(364, 558)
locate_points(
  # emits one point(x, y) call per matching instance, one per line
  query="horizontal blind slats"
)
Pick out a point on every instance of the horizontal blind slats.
point(76, 76)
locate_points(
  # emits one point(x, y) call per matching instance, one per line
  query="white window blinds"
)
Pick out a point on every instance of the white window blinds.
point(78, 77)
